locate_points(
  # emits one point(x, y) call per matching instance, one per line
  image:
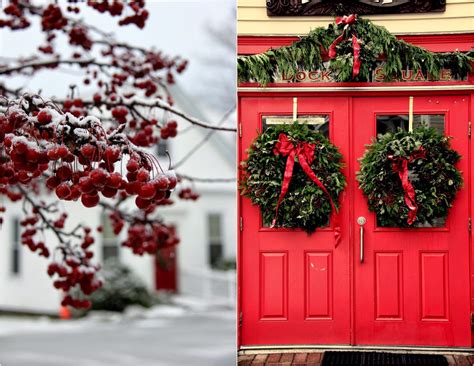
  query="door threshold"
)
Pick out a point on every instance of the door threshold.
point(308, 348)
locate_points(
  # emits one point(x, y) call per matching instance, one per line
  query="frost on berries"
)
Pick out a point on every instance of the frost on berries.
point(77, 160)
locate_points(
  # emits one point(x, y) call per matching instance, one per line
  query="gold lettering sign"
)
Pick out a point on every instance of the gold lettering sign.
point(321, 76)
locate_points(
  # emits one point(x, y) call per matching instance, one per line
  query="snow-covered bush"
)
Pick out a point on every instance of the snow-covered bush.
point(121, 288)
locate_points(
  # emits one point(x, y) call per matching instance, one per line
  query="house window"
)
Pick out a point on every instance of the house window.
point(110, 247)
point(162, 148)
point(391, 123)
point(15, 247)
point(318, 122)
point(216, 246)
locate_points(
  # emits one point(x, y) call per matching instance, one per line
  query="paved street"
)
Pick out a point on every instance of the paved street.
point(165, 336)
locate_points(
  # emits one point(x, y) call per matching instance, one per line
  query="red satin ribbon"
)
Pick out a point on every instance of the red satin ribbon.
point(400, 166)
point(347, 20)
point(356, 62)
point(305, 153)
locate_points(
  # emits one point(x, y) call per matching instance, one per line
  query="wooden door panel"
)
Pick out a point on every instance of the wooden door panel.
point(295, 287)
point(413, 287)
point(388, 285)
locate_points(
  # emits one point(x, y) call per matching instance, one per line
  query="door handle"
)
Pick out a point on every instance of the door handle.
point(361, 221)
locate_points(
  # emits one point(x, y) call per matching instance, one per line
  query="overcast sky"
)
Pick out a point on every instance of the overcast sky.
point(177, 27)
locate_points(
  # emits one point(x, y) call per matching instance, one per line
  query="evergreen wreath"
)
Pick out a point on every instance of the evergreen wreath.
point(410, 177)
point(305, 205)
point(372, 43)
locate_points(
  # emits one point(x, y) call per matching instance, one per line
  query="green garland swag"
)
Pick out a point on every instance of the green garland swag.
point(305, 205)
point(431, 172)
point(376, 43)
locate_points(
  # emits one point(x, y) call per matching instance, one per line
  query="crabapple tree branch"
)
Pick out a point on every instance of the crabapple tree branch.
point(92, 152)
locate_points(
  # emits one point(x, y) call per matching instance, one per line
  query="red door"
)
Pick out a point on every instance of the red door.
point(295, 287)
point(165, 270)
point(413, 285)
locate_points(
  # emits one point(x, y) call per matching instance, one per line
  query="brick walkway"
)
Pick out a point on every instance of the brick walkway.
point(315, 358)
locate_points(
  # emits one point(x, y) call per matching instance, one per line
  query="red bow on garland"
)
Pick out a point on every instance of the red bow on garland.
point(400, 166)
point(347, 20)
point(305, 153)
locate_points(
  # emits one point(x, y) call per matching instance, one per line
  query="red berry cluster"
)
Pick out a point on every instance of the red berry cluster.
point(52, 18)
point(182, 66)
point(120, 114)
point(75, 107)
point(149, 191)
point(68, 300)
point(59, 223)
point(17, 19)
point(47, 49)
point(73, 9)
point(82, 165)
point(188, 194)
point(149, 237)
point(135, 66)
point(170, 78)
point(148, 86)
point(170, 129)
point(117, 222)
point(27, 160)
point(140, 14)
point(142, 70)
point(11, 194)
point(76, 272)
point(114, 7)
point(27, 236)
point(144, 136)
point(78, 37)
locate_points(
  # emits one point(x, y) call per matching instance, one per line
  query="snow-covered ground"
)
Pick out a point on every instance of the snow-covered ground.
point(190, 333)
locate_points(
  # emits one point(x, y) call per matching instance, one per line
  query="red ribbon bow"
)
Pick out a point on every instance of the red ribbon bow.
point(305, 153)
point(347, 20)
point(400, 166)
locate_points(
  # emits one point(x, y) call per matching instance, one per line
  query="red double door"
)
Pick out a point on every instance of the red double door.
point(413, 286)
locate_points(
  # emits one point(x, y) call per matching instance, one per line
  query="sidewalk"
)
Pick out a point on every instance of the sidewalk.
point(193, 333)
point(315, 358)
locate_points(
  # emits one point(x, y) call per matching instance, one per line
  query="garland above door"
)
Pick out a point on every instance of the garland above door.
point(351, 49)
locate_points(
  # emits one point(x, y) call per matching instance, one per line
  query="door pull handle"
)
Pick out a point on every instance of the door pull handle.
point(361, 221)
